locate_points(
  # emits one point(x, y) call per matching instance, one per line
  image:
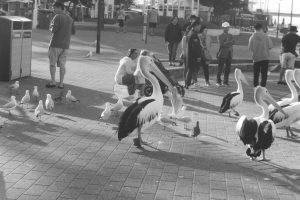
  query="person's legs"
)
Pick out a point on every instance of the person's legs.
point(169, 46)
point(291, 61)
point(205, 71)
point(196, 72)
point(220, 70)
point(174, 51)
point(53, 58)
point(264, 72)
point(190, 72)
point(256, 70)
point(129, 80)
point(227, 69)
point(284, 61)
point(61, 63)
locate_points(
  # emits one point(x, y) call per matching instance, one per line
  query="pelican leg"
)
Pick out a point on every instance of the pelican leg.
point(287, 129)
point(137, 141)
point(264, 156)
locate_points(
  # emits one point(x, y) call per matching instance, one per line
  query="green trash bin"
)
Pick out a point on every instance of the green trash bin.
point(16, 47)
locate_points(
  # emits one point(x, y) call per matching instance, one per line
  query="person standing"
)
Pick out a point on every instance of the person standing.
point(173, 37)
point(205, 42)
point(191, 20)
point(194, 53)
point(259, 45)
point(121, 15)
point(61, 28)
point(224, 55)
point(153, 20)
point(288, 57)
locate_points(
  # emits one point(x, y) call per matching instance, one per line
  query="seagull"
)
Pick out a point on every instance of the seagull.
point(26, 98)
point(70, 98)
point(105, 115)
point(14, 87)
point(60, 98)
point(90, 54)
point(118, 106)
point(10, 105)
point(35, 93)
point(196, 130)
point(49, 103)
point(39, 111)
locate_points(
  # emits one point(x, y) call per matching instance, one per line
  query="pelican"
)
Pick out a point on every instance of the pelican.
point(146, 110)
point(289, 76)
point(297, 79)
point(258, 133)
point(233, 99)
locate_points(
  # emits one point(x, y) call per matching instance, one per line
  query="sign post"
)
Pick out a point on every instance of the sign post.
point(145, 25)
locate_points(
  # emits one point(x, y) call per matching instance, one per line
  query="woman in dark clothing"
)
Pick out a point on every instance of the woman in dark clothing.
point(173, 37)
point(194, 53)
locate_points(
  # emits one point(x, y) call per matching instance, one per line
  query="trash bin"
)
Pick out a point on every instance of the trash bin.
point(15, 48)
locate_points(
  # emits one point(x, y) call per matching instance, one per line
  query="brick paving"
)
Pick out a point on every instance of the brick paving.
point(71, 155)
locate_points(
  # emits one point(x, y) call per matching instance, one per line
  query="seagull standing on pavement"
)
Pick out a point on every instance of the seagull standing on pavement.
point(49, 103)
point(14, 87)
point(10, 105)
point(35, 93)
point(105, 115)
point(39, 111)
point(90, 54)
point(25, 99)
point(70, 98)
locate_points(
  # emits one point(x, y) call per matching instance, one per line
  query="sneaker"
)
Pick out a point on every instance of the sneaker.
point(207, 84)
point(218, 84)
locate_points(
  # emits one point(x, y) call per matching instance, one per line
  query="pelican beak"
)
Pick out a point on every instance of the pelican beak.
point(161, 76)
point(243, 78)
point(270, 100)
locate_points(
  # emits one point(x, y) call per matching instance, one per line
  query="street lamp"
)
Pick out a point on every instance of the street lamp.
point(292, 12)
point(278, 19)
point(99, 24)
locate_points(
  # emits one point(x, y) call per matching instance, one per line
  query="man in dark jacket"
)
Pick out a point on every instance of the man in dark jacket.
point(173, 37)
point(194, 52)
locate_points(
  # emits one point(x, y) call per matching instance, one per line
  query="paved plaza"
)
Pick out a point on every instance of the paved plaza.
point(73, 155)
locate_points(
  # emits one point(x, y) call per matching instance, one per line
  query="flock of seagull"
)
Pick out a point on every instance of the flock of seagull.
point(35, 96)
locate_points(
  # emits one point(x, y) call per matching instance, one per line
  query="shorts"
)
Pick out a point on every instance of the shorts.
point(288, 60)
point(152, 25)
point(57, 56)
point(121, 22)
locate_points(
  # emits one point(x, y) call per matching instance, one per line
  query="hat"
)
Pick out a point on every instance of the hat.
point(225, 24)
point(193, 17)
point(293, 29)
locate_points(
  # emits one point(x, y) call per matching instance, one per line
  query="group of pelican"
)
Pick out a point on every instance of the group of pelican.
point(259, 132)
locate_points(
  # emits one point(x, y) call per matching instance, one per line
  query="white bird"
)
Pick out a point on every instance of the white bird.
point(145, 111)
point(10, 105)
point(185, 119)
point(258, 133)
point(49, 103)
point(105, 115)
point(118, 106)
point(70, 98)
point(233, 99)
point(297, 79)
point(289, 76)
point(90, 54)
point(39, 110)
point(35, 93)
point(14, 87)
point(26, 98)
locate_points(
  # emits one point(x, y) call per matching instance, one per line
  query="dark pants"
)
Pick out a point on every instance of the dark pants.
point(191, 71)
point(205, 67)
point(129, 80)
point(260, 67)
point(172, 48)
point(227, 63)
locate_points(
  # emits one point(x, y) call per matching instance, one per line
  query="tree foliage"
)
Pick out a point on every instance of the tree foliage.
point(221, 6)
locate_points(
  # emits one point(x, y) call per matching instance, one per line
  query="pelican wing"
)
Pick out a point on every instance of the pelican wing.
point(246, 129)
point(226, 101)
point(276, 116)
point(129, 119)
point(265, 135)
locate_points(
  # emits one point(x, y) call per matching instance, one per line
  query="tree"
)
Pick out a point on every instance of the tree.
point(221, 6)
point(127, 3)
